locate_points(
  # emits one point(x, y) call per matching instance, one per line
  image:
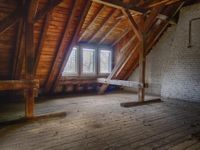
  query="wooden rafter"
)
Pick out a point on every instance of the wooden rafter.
point(13, 18)
point(133, 24)
point(101, 9)
point(119, 5)
point(124, 33)
point(9, 21)
point(18, 56)
point(106, 20)
point(128, 44)
point(41, 40)
point(153, 39)
point(156, 3)
point(151, 18)
point(73, 42)
point(65, 47)
point(110, 31)
point(47, 8)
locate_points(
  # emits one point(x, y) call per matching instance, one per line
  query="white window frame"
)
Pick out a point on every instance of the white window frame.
point(99, 60)
point(64, 74)
point(94, 59)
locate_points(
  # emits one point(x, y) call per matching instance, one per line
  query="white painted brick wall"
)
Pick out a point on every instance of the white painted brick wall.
point(173, 69)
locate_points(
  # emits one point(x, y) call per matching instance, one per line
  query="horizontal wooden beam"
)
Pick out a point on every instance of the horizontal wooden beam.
point(18, 84)
point(120, 5)
point(131, 84)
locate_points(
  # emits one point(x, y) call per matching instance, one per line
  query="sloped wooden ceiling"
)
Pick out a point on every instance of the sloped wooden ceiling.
point(71, 22)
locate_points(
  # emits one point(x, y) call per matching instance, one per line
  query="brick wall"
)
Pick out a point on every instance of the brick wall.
point(173, 69)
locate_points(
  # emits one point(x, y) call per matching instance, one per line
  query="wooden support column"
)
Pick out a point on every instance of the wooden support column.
point(142, 65)
point(29, 57)
point(29, 74)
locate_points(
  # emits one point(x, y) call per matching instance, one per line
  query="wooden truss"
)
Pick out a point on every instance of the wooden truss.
point(140, 30)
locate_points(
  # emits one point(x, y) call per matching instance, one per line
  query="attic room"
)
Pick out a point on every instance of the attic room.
point(99, 75)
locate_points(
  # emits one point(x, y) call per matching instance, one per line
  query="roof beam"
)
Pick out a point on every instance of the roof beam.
point(74, 41)
point(120, 5)
point(101, 9)
point(18, 56)
point(47, 8)
point(65, 48)
point(156, 3)
point(41, 40)
point(9, 21)
point(13, 18)
point(133, 24)
point(102, 25)
point(126, 31)
point(109, 32)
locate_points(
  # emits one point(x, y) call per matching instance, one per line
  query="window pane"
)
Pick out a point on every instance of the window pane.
point(88, 60)
point(105, 61)
point(71, 66)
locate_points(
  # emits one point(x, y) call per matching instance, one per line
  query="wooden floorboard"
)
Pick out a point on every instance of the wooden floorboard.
point(100, 123)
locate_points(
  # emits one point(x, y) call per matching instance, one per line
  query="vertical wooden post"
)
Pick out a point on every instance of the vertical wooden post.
point(29, 57)
point(29, 64)
point(142, 65)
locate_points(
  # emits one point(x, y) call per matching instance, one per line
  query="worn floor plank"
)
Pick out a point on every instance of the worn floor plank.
point(99, 123)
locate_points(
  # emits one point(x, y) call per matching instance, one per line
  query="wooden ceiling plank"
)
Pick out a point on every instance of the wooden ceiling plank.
point(42, 39)
point(133, 24)
point(73, 42)
point(18, 56)
point(128, 43)
point(56, 70)
point(47, 8)
point(9, 21)
point(109, 32)
point(160, 2)
point(101, 9)
point(13, 18)
point(152, 18)
point(154, 39)
point(106, 20)
point(124, 33)
point(120, 5)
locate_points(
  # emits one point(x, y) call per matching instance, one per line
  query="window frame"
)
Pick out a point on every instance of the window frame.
point(77, 64)
point(95, 73)
point(99, 60)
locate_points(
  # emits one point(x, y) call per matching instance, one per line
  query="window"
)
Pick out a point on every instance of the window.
point(105, 61)
point(71, 67)
point(88, 61)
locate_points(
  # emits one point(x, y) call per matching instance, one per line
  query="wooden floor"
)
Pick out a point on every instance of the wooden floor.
point(100, 123)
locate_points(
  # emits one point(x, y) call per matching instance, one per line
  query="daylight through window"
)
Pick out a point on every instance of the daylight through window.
point(71, 66)
point(88, 61)
point(105, 61)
